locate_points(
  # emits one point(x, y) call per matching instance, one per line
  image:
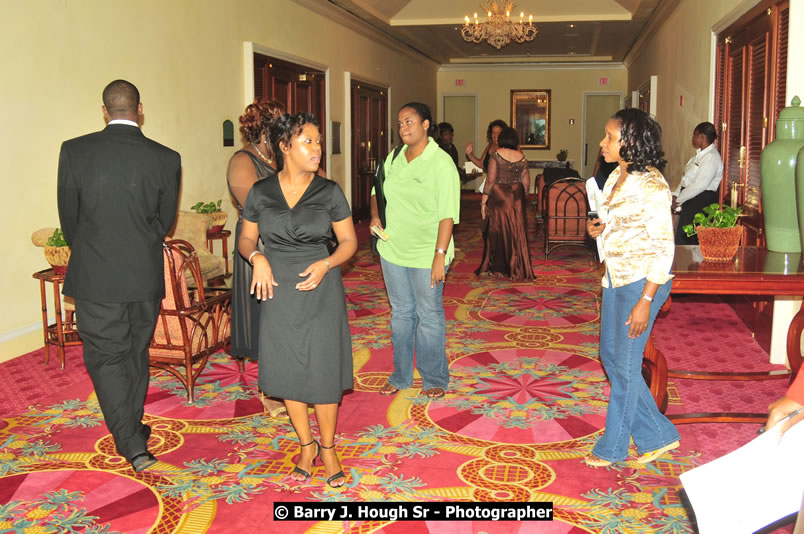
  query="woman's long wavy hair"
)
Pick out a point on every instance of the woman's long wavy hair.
point(641, 140)
point(497, 122)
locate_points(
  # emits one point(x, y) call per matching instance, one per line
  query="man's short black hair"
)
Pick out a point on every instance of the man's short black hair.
point(121, 98)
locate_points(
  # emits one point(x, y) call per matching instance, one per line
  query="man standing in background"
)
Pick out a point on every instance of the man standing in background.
point(117, 198)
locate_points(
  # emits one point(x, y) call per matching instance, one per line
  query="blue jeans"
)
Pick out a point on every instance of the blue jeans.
point(632, 410)
point(417, 320)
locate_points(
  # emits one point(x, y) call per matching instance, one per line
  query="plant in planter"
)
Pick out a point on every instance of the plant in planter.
point(213, 209)
point(562, 154)
point(717, 231)
point(57, 252)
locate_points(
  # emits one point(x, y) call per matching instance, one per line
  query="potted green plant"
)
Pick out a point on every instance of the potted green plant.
point(717, 231)
point(562, 154)
point(213, 209)
point(57, 252)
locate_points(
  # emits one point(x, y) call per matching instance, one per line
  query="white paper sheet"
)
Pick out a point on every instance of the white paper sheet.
point(595, 196)
point(751, 487)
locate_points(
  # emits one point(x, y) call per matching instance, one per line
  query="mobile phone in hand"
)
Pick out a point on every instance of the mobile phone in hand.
point(593, 215)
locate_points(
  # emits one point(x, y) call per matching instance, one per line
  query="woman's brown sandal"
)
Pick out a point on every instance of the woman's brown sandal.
point(594, 461)
point(389, 389)
point(268, 405)
point(434, 393)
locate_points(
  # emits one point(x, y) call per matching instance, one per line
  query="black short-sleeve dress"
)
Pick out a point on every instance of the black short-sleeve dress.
point(305, 349)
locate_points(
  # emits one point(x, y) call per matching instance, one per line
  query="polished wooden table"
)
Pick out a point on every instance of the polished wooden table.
point(754, 271)
point(63, 332)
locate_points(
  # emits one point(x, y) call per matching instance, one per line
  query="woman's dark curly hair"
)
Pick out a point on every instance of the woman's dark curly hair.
point(499, 122)
point(288, 126)
point(258, 117)
point(641, 140)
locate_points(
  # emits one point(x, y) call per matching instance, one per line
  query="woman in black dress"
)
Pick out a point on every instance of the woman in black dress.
point(246, 167)
point(305, 345)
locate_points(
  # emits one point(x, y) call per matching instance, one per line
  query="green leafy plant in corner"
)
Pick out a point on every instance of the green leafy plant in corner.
point(209, 207)
point(562, 154)
point(57, 239)
point(713, 216)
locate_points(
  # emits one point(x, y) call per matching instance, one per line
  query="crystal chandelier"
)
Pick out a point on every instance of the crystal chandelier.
point(499, 30)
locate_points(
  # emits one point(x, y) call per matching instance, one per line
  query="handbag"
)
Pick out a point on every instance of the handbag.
point(379, 180)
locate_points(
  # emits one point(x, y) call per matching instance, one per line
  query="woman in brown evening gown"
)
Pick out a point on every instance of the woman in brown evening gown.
point(506, 249)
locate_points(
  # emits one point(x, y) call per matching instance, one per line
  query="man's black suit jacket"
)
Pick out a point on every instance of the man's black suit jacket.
point(117, 197)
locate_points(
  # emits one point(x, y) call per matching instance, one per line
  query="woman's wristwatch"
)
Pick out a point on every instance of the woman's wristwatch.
point(647, 297)
point(440, 251)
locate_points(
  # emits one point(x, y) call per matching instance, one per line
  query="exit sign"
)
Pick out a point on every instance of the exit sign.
point(458, 83)
point(603, 81)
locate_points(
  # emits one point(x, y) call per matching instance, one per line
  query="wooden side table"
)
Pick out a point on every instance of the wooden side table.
point(223, 235)
point(63, 332)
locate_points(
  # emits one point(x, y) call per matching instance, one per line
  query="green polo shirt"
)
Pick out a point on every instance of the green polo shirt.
point(420, 194)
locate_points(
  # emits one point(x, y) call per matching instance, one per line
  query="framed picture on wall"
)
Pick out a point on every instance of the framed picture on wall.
point(530, 117)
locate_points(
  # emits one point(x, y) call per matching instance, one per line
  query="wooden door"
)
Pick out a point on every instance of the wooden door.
point(298, 88)
point(369, 142)
point(750, 79)
point(750, 88)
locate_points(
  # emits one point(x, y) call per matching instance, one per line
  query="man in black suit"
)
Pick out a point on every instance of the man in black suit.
point(117, 197)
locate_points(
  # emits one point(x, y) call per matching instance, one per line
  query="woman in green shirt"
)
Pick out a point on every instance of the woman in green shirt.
point(422, 191)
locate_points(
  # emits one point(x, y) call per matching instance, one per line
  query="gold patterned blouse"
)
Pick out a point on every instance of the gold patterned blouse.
point(638, 238)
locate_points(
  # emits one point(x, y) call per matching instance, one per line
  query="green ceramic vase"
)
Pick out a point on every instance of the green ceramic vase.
point(781, 191)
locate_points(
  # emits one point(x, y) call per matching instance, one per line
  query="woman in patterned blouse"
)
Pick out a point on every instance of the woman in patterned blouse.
point(637, 232)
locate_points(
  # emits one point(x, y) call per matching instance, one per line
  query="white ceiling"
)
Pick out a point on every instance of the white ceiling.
point(569, 30)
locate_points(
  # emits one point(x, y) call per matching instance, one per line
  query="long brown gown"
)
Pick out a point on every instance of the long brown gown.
point(506, 250)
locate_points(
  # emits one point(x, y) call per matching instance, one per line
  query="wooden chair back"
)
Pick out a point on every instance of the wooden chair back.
point(190, 327)
point(565, 209)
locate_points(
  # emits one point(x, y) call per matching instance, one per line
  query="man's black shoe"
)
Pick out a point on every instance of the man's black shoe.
point(143, 461)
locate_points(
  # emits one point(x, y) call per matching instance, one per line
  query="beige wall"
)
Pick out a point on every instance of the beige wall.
point(492, 86)
point(186, 57)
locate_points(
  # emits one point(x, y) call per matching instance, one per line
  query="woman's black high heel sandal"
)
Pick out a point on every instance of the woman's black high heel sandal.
point(301, 471)
point(337, 475)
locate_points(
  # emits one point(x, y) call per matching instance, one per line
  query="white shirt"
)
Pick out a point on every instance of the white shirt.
point(703, 173)
point(123, 121)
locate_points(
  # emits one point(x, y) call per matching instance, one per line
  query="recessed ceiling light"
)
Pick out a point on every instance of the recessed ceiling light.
point(572, 25)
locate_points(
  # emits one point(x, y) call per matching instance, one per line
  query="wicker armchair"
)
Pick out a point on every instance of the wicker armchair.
point(191, 327)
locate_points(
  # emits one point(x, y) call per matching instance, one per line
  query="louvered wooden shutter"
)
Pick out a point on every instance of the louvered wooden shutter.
point(734, 115)
point(720, 95)
point(780, 81)
point(756, 114)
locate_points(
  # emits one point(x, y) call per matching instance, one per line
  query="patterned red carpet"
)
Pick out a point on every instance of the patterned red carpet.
point(526, 401)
